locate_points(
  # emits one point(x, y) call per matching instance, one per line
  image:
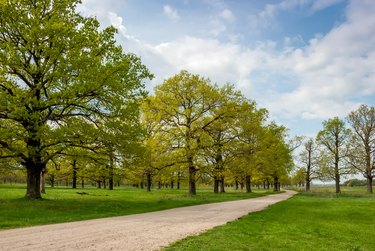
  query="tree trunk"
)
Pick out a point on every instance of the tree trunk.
point(148, 181)
point(222, 184)
point(110, 174)
point(172, 184)
point(216, 185)
point(34, 164)
point(99, 184)
point(192, 186)
point(308, 183)
point(248, 183)
point(110, 183)
point(74, 178)
point(83, 183)
point(52, 180)
point(43, 180)
point(337, 182)
point(276, 186)
point(159, 184)
point(369, 184)
point(178, 180)
point(33, 183)
point(236, 184)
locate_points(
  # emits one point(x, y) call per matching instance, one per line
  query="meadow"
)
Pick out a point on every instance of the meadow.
point(318, 220)
point(62, 204)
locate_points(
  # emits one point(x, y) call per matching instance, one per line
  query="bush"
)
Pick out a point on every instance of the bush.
point(355, 183)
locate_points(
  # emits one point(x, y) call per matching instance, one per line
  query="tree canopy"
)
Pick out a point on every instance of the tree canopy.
point(61, 76)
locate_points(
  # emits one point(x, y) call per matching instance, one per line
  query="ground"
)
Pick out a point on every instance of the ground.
point(148, 231)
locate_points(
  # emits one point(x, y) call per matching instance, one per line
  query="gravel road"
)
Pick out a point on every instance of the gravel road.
point(148, 231)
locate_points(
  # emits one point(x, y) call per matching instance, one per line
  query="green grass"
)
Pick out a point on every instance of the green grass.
point(63, 204)
point(319, 220)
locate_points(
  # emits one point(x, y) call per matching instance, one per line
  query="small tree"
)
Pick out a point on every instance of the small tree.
point(333, 138)
point(309, 158)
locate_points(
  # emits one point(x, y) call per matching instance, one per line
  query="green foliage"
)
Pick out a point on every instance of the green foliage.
point(334, 138)
point(355, 183)
point(62, 79)
point(211, 132)
point(362, 144)
point(309, 221)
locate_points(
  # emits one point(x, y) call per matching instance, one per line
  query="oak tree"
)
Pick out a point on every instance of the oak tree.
point(58, 70)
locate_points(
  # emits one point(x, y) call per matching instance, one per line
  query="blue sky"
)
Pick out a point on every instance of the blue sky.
point(303, 60)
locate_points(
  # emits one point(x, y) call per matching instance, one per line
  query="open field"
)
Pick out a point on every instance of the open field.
point(319, 220)
point(65, 204)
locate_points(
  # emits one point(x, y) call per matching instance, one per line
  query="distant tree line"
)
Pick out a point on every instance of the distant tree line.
point(344, 147)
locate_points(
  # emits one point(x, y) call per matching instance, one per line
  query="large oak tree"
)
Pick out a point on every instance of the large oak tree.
point(58, 72)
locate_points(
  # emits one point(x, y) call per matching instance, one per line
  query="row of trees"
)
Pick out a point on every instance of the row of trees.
point(341, 149)
point(71, 99)
point(210, 130)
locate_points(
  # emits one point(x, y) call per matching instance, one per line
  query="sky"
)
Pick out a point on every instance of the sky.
point(304, 60)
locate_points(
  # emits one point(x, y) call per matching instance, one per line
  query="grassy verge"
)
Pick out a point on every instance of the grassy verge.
point(63, 205)
point(319, 220)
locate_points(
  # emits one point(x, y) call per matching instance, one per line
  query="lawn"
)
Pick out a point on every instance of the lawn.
point(319, 220)
point(65, 204)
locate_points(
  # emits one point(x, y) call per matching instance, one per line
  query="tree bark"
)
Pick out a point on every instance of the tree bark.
point(369, 184)
point(192, 172)
point(248, 183)
point(34, 166)
point(222, 184)
point(33, 183)
point(52, 180)
point(276, 185)
point(43, 180)
point(148, 181)
point(74, 178)
point(308, 187)
point(216, 185)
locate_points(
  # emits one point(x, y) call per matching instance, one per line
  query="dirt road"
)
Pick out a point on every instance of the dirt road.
point(149, 231)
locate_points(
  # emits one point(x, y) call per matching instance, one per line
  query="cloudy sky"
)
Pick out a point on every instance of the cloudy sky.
point(303, 60)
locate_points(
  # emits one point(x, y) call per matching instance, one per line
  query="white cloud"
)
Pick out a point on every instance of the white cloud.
point(227, 14)
point(328, 74)
point(322, 4)
point(334, 70)
point(170, 12)
point(117, 22)
point(267, 16)
point(105, 12)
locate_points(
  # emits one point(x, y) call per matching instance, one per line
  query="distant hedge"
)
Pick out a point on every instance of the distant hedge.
point(355, 183)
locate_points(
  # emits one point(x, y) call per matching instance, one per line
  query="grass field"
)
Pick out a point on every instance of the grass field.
point(319, 220)
point(65, 204)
